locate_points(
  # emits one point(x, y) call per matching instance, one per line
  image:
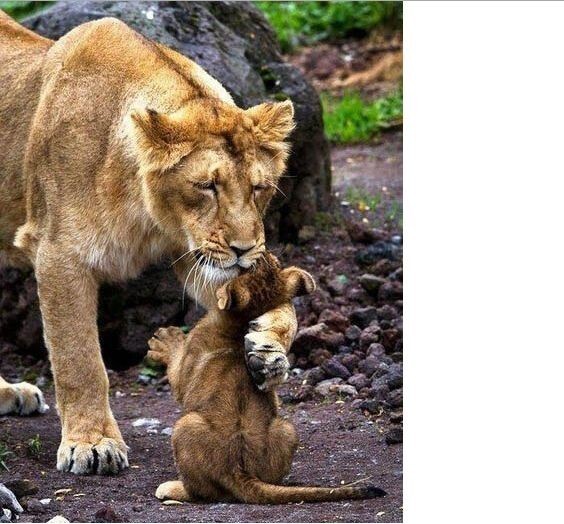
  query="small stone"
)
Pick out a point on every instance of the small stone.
point(45, 502)
point(35, 507)
point(320, 355)
point(58, 519)
point(394, 435)
point(350, 361)
point(144, 379)
point(386, 312)
point(119, 394)
point(359, 381)
point(352, 333)
point(378, 251)
point(396, 417)
point(336, 286)
point(369, 336)
point(326, 387)
point(371, 283)
point(335, 320)
point(108, 514)
point(368, 366)
point(370, 405)
point(21, 487)
point(344, 350)
point(145, 422)
point(335, 369)
point(380, 392)
point(376, 350)
point(317, 336)
point(391, 290)
point(347, 390)
point(397, 357)
point(382, 369)
point(395, 399)
point(362, 317)
point(314, 375)
point(390, 337)
point(166, 431)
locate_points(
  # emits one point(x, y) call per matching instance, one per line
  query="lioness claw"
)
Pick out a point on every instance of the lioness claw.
point(266, 360)
point(106, 457)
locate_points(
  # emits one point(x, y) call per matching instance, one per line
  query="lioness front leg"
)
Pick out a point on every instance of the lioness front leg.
point(269, 339)
point(68, 295)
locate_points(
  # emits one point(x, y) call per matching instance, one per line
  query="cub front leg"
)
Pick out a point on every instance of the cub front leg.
point(68, 296)
point(269, 339)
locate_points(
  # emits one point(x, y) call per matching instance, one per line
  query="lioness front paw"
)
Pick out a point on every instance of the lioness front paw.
point(266, 360)
point(21, 399)
point(105, 457)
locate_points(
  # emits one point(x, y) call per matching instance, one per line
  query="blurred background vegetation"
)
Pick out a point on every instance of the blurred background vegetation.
point(353, 111)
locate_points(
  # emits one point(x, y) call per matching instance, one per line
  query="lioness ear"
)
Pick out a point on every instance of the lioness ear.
point(273, 122)
point(160, 139)
point(232, 296)
point(298, 282)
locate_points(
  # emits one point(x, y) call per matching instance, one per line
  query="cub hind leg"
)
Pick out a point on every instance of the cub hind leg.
point(172, 490)
point(21, 398)
point(281, 444)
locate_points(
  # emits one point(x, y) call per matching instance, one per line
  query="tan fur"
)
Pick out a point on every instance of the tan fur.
point(110, 144)
point(230, 443)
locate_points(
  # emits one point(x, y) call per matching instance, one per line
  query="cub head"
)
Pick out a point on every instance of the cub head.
point(263, 288)
point(208, 171)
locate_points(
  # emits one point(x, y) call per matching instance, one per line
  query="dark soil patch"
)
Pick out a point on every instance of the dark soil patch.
point(337, 444)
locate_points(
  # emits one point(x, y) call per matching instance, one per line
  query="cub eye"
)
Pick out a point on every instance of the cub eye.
point(207, 186)
point(258, 188)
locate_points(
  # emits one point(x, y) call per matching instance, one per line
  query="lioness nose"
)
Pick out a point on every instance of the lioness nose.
point(241, 250)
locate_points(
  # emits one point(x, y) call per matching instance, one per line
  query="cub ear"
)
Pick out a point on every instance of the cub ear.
point(273, 121)
point(298, 281)
point(160, 138)
point(232, 296)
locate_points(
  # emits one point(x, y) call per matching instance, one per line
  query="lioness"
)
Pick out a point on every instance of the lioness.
point(116, 152)
point(230, 443)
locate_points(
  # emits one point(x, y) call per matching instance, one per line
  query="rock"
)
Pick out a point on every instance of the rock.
point(166, 431)
point(334, 368)
point(394, 435)
point(396, 417)
point(58, 519)
point(370, 405)
point(320, 355)
point(371, 283)
point(361, 234)
point(108, 514)
point(352, 333)
point(234, 42)
point(362, 317)
point(369, 336)
point(344, 350)
point(145, 422)
point(390, 290)
point(35, 507)
point(346, 390)
point(303, 393)
point(390, 337)
point(9, 503)
point(317, 336)
point(377, 251)
point(376, 350)
point(397, 357)
point(380, 392)
point(368, 366)
point(336, 286)
point(386, 312)
point(394, 378)
point(314, 375)
point(326, 387)
point(359, 381)
point(335, 320)
point(395, 399)
point(350, 361)
point(382, 369)
point(21, 487)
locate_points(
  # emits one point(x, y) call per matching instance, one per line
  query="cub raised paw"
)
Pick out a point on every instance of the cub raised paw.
point(266, 360)
point(21, 399)
point(165, 341)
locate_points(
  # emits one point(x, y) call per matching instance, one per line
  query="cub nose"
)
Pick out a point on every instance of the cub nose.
point(241, 250)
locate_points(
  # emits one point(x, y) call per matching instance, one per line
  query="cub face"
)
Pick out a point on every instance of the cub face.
point(209, 171)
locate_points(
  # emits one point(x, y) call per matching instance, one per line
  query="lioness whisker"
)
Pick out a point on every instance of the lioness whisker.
point(187, 253)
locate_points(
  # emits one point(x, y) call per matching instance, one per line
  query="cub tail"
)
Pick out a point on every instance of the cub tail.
point(253, 491)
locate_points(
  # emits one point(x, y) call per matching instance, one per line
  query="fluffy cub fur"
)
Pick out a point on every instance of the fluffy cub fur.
point(230, 443)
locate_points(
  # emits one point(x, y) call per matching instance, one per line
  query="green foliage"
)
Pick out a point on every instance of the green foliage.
point(362, 200)
point(34, 446)
point(351, 119)
point(19, 10)
point(4, 453)
point(304, 23)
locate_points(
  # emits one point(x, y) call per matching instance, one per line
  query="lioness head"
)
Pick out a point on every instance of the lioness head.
point(209, 171)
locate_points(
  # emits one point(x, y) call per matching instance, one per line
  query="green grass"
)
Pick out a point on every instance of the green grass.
point(350, 119)
point(4, 453)
point(304, 23)
point(19, 10)
point(34, 446)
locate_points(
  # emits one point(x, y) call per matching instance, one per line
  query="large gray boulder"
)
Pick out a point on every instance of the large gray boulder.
point(233, 42)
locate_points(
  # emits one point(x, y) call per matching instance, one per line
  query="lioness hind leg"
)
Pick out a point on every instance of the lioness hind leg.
point(164, 342)
point(172, 490)
point(21, 399)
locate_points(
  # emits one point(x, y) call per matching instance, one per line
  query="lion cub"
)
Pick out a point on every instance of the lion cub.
point(230, 444)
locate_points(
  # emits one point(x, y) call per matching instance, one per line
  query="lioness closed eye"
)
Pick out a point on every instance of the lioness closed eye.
point(230, 443)
point(115, 156)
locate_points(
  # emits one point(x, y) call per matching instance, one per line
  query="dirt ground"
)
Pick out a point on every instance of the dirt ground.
point(339, 442)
